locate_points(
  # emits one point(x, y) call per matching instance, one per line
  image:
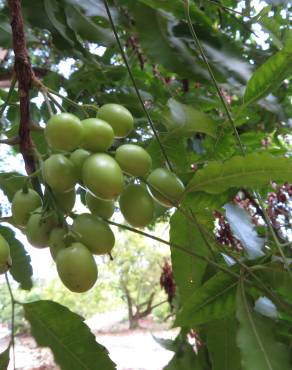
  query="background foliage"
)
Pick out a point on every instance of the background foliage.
point(219, 275)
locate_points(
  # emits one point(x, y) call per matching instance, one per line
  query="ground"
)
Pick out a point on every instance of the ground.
point(130, 350)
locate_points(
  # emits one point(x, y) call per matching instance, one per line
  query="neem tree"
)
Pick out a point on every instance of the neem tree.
point(168, 106)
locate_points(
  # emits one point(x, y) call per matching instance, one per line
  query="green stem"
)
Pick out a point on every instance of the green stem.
point(4, 105)
point(12, 318)
point(221, 97)
point(56, 103)
point(69, 101)
point(135, 85)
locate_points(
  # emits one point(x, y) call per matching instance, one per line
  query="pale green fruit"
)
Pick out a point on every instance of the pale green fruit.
point(99, 207)
point(137, 206)
point(5, 258)
point(59, 173)
point(133, 160)
point(118, 117)
point(38, 228)
point(56, 241)
point(64, 131)
point(94, 233)
point(78, 158)
point(23, 203)
point(98, 135)
point(102, 176)
point(165, 187)
point(76, 268)
point(66, 201)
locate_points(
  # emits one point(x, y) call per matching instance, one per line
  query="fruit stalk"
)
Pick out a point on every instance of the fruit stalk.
point(25, 77)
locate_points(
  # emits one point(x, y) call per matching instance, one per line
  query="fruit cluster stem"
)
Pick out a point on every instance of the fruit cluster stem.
point(25, 77)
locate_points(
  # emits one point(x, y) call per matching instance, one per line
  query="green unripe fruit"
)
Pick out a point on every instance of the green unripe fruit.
point(38, 228)
point(56, 241)
point(165, 187)
point(102, 176)
point(5, 258)
point(118, 117)
point(64, 131)
point(76, 268)
point(78, 158)
point(98, 135)
point(66, 201)
point(136, 205)
point(23, 203)
point(94, 233)
point(59, 173)
point(99, 207)
point(133, 160)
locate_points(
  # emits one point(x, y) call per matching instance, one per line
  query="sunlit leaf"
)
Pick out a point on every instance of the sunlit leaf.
point(252, 170)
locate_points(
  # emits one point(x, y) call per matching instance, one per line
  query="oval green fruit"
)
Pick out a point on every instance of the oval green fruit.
point(103, 176)
point(59, 173)
point(165, 187)
point(133, 160)
point(99, 207)
point(78, 158)
point(98, 135)
point(76, 268)
point(23, 203)
point(38, 228)
point(5, 258)
point(94, 233)
point(64, 131)
point(66, 201)
point(136, 205)
point(118, 117)
point(56, 241)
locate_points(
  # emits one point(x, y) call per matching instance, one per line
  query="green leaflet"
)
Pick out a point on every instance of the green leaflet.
point(213, 300)
point(221, 341)
point(10, 182)
point(253, 170)
point(64, 332)
point(182, 119)
point(269, 76)
point(188, 270)
point(21, 269)
point(255, 338)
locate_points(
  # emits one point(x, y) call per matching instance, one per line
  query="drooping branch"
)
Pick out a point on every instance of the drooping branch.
point(25, 77)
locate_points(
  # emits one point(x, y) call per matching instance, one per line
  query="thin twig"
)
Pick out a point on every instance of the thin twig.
point(12, 319)
point(135, 85)
point(4, 105)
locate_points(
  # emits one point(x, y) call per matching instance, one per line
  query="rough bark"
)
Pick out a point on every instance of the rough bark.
point(25, 77)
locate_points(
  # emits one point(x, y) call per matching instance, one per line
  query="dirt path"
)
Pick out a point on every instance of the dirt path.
point(130, 350)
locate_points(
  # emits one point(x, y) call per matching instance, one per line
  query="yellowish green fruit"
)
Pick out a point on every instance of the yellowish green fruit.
point(99, 207)
point(64, 131)
point(78, 158)
point(38, 228)
point(57, 241)
point(76, 268)
point(118, 117)
point(66, 201)
point(23, 203)
point(98, 135)
point(165, 187)
point(5, 258)
point(102, 176)
point(94, 233)
point(59, 173)
point(133, 160)
point(137, 206)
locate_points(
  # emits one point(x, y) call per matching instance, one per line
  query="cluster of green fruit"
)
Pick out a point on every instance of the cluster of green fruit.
point(81, 156)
